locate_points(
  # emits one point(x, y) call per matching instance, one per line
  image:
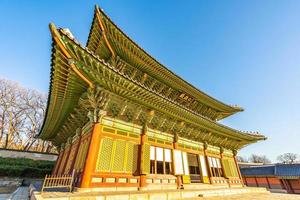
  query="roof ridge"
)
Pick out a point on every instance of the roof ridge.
point(245, 133)
point(234, 107)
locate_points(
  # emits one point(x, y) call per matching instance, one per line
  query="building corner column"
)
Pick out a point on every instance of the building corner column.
point(78, 134)
point(238, 168)
point(69, 143)
point(93, 150)
point(58, 160)
point(223, 167)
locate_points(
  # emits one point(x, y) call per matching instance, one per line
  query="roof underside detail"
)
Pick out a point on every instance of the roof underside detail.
point(114, 46)
point(75, 69)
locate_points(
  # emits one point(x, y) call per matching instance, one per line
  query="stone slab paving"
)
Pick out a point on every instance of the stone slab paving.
point(254, 196)
point(21, 193)
point(188, 195)
point(4, 196)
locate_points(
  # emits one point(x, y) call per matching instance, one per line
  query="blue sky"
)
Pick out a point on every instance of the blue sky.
point(241, 52)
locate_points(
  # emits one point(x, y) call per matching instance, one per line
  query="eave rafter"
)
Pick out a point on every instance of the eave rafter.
point(76, 68)
point(124, 47)
point(66, 83)
point(118, 85)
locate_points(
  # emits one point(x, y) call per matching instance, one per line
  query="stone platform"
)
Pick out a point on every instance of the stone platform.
point(149, 195)
point(249, 196)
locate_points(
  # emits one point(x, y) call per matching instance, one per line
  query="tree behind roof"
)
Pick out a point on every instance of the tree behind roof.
point(259, 159)
point(288, 158)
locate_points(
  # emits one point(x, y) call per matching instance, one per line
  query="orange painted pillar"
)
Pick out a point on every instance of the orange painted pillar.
point(63, 151)
point(141, 160)
point(76, 153)
point(207, 164)
point(238, 168)
point(68, 156)
point(91, 159)
point(222, 166)
point(58, 161)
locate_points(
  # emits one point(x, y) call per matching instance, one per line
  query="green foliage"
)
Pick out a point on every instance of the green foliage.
point(24, 167)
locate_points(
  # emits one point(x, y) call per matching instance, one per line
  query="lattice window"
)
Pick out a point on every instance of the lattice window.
point(119, 156)
point(104, 155)
point(230, 168)
point(146, 159)
point(132, 157)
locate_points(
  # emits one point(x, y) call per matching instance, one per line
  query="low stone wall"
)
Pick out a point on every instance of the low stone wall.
point(9, 153)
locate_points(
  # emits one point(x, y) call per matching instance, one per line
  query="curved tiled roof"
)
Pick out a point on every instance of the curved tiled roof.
point(279, 170)
point(69, 81)
point(152, 66)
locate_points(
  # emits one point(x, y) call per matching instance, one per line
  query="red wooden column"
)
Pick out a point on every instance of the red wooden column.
point(62, 161)
point(69, 142)
point(91, 156)
point(221, 159)
point(238, 168)
point(207, 163)
point(141, 158)
point(58, 161)
point(78, 134)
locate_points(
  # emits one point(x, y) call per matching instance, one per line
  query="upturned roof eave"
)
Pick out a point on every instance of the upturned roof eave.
point(48, 132)
point(226, 109)
point(53, 101)
point(250, 135)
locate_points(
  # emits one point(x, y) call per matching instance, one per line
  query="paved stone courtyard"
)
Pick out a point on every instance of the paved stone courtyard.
point(248, 196)
point(20, 194)
point(253, 196)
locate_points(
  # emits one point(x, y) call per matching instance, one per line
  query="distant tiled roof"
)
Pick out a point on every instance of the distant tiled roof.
point(287, 170)
point(265, 170)
point(279, 170)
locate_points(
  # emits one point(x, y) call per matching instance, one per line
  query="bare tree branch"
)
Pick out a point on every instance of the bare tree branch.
point(21, 116)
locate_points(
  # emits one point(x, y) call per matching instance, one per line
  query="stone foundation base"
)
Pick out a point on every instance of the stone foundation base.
point(146, 195)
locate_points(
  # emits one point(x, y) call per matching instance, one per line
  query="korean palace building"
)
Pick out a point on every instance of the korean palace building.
point(121, 120)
